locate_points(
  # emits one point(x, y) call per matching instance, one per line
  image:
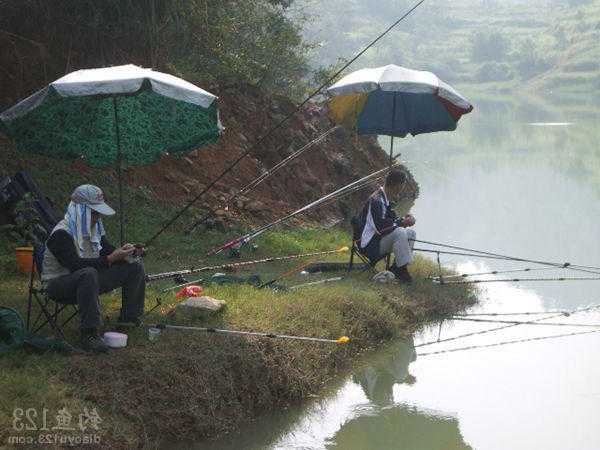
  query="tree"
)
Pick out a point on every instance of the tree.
point(486, 46)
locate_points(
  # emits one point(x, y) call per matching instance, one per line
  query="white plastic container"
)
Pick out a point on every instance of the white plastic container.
point(153, 334)
point(114, 339)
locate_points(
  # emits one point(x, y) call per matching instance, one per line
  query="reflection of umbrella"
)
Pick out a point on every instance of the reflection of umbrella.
point(114, 115)
point(395, 101)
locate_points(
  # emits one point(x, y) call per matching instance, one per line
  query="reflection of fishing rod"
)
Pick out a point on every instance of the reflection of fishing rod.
point(258, 180)
point(236, 243)
point(282, 122)
point(340, 340)
point(178, 273)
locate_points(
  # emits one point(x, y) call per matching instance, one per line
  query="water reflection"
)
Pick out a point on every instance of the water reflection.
point(501, 184)
point(385, 370)
point(400, 428)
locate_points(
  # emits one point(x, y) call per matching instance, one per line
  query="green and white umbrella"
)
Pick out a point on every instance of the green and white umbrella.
point(114, 116)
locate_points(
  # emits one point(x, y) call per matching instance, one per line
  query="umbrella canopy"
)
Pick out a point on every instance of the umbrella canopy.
point(114, 115)
point(396, 101)
point(83, 113)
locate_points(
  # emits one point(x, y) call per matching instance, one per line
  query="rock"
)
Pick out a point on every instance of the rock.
point(200, 306)
point(221, 213)
point(384, 277)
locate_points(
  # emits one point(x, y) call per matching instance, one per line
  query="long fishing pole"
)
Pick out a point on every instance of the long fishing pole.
point(262, 177)
point(476, 333)
point(494, 272)
point(528, 322)
point(256, 232)
point(506, 280)
point(314, 283)
point(177, 273)
point(288, 273)
point(497, 344)
point(341, 340)
point(564, 265)
point(525, 313)
point(280, 124)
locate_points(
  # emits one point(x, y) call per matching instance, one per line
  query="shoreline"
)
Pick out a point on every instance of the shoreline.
point(192, 386)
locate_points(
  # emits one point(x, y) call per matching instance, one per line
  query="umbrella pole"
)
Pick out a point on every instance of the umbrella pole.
point(119, 170)
point(392, 129)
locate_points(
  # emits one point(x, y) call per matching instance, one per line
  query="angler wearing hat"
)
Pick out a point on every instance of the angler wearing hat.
point(79, 264)
point(382, 232)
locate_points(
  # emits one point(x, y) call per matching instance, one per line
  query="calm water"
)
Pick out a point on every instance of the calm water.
point(520, 178)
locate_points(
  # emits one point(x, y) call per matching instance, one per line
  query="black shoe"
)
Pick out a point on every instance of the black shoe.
point(401, 274)
point(91, 342)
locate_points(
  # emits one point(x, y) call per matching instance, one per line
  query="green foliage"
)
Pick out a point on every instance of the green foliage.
point(205, 41)
point(487, 46)
point(26, 229)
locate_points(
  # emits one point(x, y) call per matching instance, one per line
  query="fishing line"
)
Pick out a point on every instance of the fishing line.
point(258, 180)
point(497, 344)
point(280, 124)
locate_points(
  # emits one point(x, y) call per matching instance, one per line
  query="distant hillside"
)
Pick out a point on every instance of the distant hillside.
point(542, 45)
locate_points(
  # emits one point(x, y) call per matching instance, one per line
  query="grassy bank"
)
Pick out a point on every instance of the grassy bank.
point(191, 385)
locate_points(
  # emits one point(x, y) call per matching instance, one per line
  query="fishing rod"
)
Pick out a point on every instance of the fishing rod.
point(258, 180)
point(475, 333)
point(505, 280)
point(564, 265)
point(288, 273)
point(280, 124)
point(238, 242)
point(178, 273)
point(530, 322)
point(497, 344)
point(525, 313)
point(314, 283)
point(494, 272)
point(341, 340)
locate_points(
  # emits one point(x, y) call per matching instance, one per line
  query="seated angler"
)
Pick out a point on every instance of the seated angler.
point(80, 264)
point(382, 232)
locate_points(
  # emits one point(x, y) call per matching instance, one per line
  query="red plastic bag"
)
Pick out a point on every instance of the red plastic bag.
point(189, 291)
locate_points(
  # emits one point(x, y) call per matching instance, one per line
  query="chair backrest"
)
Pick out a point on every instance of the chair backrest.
point(38, 259)
point(356, 228)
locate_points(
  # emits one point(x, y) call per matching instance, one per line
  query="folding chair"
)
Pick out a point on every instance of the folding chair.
point(50, 310)
point(355, 250)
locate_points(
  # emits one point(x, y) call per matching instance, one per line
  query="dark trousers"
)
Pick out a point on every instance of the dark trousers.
point(85, 285)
